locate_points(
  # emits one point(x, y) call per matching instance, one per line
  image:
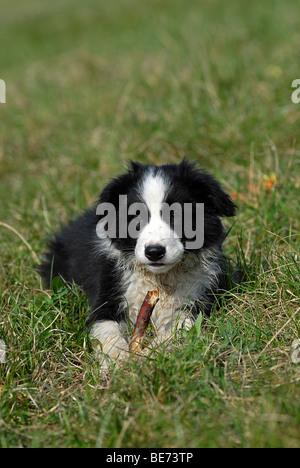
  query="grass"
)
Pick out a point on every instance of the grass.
point(89, 86)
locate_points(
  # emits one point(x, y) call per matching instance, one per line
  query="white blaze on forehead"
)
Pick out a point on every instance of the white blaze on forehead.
point(153, 193)
point(154, 190)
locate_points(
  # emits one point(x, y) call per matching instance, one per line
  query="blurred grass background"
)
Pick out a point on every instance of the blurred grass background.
point(90, 85)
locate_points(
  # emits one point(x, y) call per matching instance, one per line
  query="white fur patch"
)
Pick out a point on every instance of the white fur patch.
point(157, 231)
point(109, 334)
point(179, 288)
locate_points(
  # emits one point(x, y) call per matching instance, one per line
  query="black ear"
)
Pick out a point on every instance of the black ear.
point(220, 201)
point(116, 186)
point(135, 168)
point(205, 189)
point(120, 185)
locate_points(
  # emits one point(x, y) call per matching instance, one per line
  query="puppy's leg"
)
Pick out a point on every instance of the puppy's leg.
point(112, 343)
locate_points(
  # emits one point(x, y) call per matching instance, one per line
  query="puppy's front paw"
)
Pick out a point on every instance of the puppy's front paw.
point(108, 340)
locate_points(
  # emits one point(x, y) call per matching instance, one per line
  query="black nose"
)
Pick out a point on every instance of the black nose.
point(155, 252)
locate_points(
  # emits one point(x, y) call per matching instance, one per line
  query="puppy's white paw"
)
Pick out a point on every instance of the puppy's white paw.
point(108, 340)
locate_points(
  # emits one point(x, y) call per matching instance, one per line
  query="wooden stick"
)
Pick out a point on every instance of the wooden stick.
point(142, 321)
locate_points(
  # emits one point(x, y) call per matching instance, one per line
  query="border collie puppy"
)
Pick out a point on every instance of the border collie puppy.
point(179, 255)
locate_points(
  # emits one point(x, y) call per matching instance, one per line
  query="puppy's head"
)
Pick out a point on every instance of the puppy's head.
point(163, 213)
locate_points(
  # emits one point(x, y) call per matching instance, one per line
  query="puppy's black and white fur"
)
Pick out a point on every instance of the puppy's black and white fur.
point(116, 273)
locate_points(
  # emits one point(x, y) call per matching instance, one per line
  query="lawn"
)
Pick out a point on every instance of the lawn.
point(90, 85)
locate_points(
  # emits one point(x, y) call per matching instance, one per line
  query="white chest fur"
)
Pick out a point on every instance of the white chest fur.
point(178, 289)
